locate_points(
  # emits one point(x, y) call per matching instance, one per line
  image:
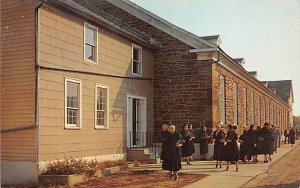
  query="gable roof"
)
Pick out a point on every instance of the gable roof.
point(283, 88)
point(107, 21)
point(163, 25)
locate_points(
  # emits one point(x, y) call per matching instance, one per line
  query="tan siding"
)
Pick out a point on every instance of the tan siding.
point(61, 45)
point(17, 80)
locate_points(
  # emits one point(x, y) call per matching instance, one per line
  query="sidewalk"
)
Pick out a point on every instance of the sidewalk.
point(223, 179)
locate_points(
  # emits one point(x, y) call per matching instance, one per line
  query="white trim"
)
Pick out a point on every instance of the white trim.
point(140, 60)
point(72, 126)
point(106, 127)
point(86, 24)
point(129, 111)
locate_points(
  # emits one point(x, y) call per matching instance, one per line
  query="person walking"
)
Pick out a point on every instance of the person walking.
point(258, 146)
point(231, 147)
point(286, 136)
point(219, 140)
point(193, 150)
point(186, 149)
point(172, 161)
point(164, 133)
point(276, 138)
point(292, 136)
point(266, 142)
point(203, 137)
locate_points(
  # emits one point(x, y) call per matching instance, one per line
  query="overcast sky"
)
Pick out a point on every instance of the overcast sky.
point(264, 32)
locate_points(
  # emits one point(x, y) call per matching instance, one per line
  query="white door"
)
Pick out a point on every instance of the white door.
point(136, 121)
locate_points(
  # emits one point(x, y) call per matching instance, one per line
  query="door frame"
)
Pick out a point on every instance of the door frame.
point(129, 117)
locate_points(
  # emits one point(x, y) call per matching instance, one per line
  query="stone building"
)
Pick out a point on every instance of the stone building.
point(84, 78)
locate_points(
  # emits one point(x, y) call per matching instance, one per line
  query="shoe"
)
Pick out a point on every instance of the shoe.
point(216, 165)
point(176, 179)
point(237, 169)
point(266, 161)
point(220, 166)
point(270, 159)
point(227, 168)
point(171, 175)
point(189, 163)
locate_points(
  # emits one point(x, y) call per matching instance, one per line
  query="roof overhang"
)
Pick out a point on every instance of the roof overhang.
point(76, 8)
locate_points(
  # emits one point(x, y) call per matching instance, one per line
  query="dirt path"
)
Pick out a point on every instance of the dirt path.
point(284, 173)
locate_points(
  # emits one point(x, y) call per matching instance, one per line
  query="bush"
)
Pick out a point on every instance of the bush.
point(70, 166)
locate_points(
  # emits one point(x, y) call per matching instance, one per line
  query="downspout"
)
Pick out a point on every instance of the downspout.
point(36, 66)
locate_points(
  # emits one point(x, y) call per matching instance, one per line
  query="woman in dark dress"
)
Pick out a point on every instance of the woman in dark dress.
point(251, 143)
point(203, 137)
point(192, 142)
point(243, 146)
point(266, 135)
point(231, 147)
point(164, 133)
point(257, 148)
point(186, 149)
point(219, 139)
point(292, 136)
point(172, 161)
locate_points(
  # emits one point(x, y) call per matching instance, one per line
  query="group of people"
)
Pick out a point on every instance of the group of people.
point(178, 145)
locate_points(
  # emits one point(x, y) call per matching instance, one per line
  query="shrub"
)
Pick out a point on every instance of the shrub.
point(71, 165)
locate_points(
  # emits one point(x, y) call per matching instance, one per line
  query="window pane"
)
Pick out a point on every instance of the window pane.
point(136, 67)
point(90, 52)
point(101, 105)
point(90, 36)
point(136, 54)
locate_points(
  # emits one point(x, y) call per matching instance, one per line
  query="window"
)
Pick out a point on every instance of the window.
point(72, 103)
point(222, 100)
point(252, 108)
point(235, 100)
point(90, 43)
point(245, 106)
point(101, 106)
point(258, 110)
point(136, 60)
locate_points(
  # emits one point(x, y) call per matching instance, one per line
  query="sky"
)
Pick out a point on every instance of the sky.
point(266, 33)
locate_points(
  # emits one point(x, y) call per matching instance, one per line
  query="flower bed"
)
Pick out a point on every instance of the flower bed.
point(76, 170)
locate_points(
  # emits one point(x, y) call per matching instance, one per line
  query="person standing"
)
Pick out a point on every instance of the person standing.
point(203, 137)
point(231, 147)
point(286, 136)
point(192, 141)
point(164, 133)
point(276, 138)
point(266, 142)
point(258, 146)
point(243, 142)
point(186, 149)
point(250, 143)
point(172, 159)
point(292, 136)
point(219, 139)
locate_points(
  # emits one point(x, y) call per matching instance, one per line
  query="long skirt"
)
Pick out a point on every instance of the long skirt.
point(172, 161)
point(186, 149)
point(267, 147)
point(231, 151)
point(203, 147)
point(219, 151)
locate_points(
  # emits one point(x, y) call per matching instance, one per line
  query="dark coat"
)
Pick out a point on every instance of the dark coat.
point(231, 148)
point(203, 137)
point(266, 134)
point(219, 145)
point(186, 149)
point(259, 142)
point(163, 147)
point(250, 142)
point(292, 135)
point(172, 160)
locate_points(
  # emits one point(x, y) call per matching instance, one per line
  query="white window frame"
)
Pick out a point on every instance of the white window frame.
point(245, 106)
point(222, 100)
point(265, 111)
point(86, 24)
point(235, 101)
point(73, 126)
point(252, 108)
point(106, 121)
point(140, 60)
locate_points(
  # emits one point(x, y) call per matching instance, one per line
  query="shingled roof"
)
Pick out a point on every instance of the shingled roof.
point(284, 88)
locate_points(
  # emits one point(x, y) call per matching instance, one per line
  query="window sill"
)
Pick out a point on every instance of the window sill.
point(134, 74)
point(101, 128)
point(91, 61)
point(72, 128)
